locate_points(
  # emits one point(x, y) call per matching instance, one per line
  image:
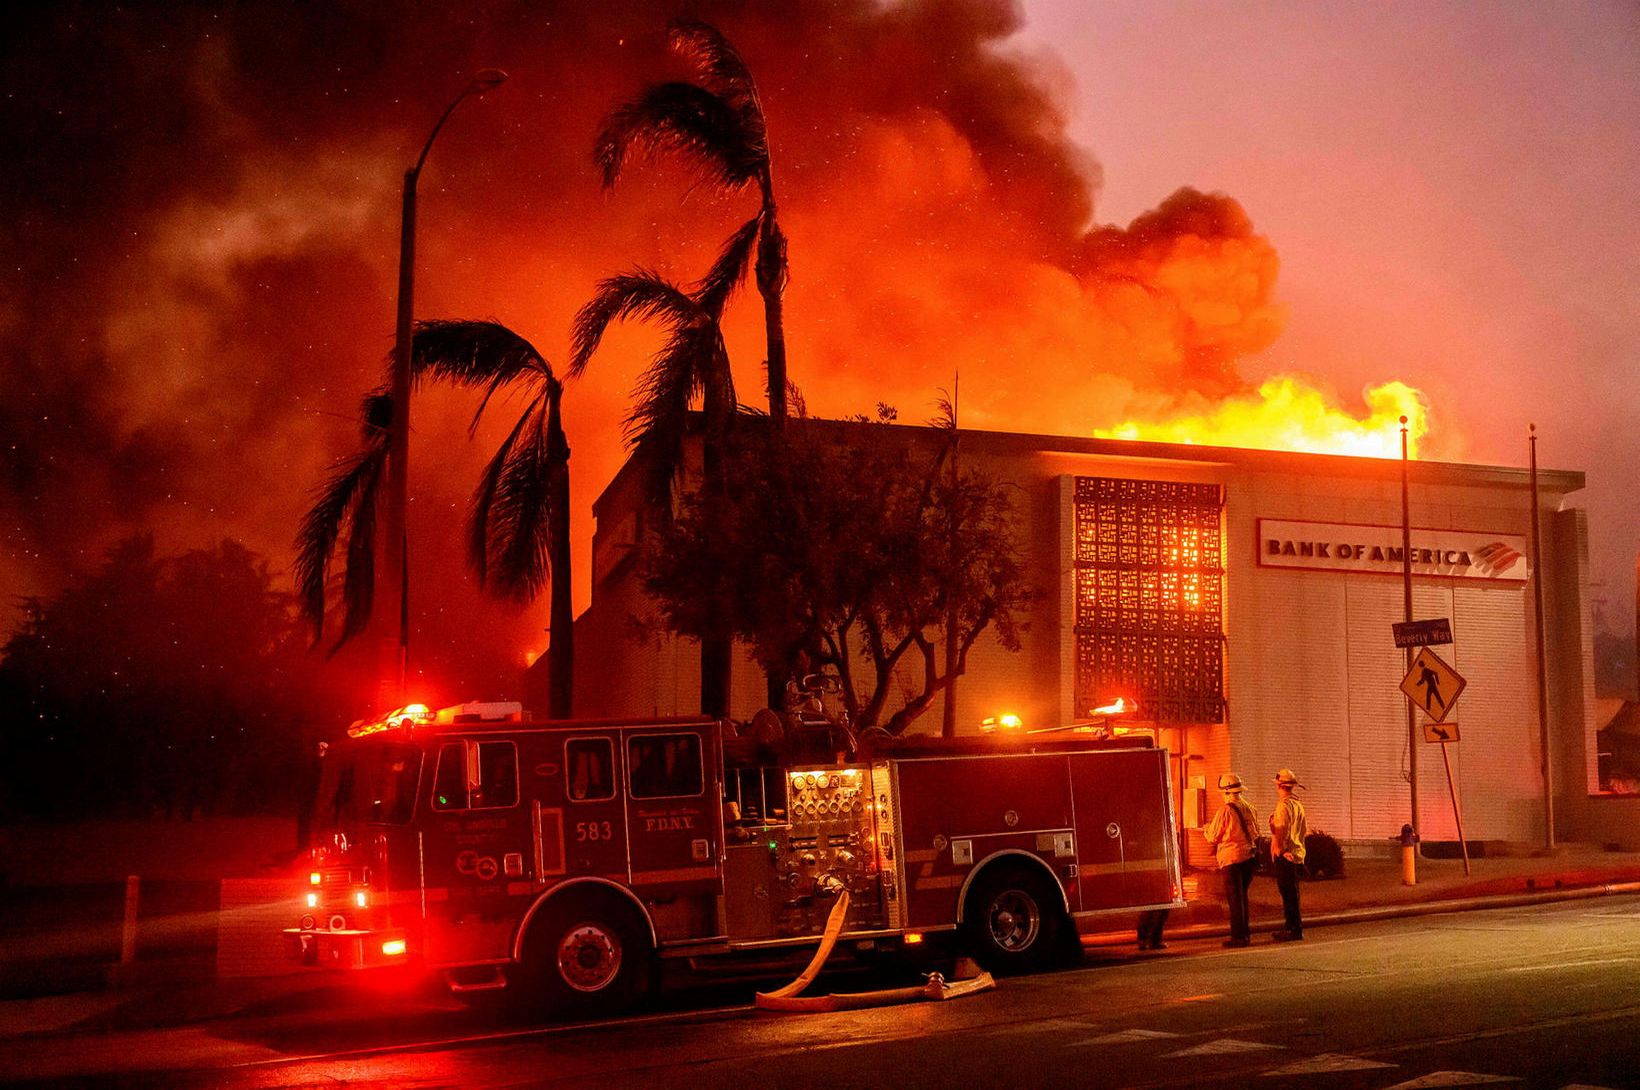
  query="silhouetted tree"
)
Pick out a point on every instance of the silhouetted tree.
point(849, 546)
point(692, 363)
point(518, 530)
point(170, 684)
point(718, 123)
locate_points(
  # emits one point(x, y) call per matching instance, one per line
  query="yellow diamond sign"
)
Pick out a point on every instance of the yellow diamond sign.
point(1432, 684)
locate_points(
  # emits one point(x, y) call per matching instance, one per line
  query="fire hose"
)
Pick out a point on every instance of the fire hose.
point(787, 998)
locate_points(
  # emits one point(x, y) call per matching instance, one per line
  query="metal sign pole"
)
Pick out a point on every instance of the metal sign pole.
point(1457, 810)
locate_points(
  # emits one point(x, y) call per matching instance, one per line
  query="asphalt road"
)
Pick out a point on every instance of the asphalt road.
point(1546, 996)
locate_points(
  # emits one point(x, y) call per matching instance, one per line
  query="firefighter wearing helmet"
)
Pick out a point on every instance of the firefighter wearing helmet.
point(1287, 852)
point(1232, 837)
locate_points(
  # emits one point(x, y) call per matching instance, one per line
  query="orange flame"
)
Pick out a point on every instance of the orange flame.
point(1288, 413)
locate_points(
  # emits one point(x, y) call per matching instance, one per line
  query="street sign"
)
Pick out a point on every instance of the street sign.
point(1432, 684)
point(1423, 633)
point(1440, 732)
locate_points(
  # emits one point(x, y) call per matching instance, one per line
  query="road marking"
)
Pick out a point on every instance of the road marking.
point(1583, 1086)
point(1567, 965)
point(1451, 1078)
point(1325, 1063)
point(1224, 1046)
point(1126, 1036)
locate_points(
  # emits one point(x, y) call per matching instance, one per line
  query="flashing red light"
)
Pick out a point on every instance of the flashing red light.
point(393, 948)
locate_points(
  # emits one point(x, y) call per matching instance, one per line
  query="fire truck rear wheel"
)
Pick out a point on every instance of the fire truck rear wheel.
point(1013, 920)
point(587, 954)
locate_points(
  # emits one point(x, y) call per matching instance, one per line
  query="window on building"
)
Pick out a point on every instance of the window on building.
point(589, 769)
point(664, 766)
point(476, 776)
point(1149, 570)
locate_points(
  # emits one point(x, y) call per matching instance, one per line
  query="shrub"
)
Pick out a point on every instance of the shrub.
point(1323, 857)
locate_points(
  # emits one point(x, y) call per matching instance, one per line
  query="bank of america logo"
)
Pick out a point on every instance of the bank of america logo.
point(1496, 558)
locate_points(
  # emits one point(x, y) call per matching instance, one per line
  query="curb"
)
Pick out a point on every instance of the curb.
point(1390, 912)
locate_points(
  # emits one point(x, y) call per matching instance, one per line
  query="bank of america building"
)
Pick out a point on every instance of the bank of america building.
point(1245, 600)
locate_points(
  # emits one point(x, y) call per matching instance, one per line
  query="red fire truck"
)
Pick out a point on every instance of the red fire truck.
point(573, 857)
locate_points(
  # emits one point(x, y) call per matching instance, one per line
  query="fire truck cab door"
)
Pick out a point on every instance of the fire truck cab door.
point(674, 818)
point(477, 848)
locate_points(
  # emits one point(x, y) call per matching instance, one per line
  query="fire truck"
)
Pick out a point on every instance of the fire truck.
point(572, 858)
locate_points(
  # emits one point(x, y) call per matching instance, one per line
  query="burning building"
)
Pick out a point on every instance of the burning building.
point(1243, 600)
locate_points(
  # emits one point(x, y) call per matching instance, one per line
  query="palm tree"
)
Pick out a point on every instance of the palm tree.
point(692, 362)
point(719, 123)
point(518, 531)
point(346, 503)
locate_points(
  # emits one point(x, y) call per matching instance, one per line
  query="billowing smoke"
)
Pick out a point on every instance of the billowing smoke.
point(202, 234)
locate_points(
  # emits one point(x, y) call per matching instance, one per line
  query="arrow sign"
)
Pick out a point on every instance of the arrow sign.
point(1432, 684)
point(1440, 732)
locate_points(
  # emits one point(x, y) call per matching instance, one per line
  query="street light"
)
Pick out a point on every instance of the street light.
point(398, 463)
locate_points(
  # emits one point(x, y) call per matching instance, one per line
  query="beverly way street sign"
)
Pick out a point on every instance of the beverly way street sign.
point(1440, 732)
point(1432, 684)
point(1423, 633)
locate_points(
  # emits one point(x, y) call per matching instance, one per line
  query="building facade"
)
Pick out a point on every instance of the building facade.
point(1244, 600)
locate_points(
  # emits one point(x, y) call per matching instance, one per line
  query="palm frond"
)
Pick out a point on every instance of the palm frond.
point(376, 415)
point(475, 353)
point(687, 119)
point(478, 521)
point(520, 513)
point(359, 582)
point(640, 294)
point(728, 272)
point(347, 500)
point(720, 66)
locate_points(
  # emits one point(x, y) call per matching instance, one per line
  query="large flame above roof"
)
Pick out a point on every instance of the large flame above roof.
point(1287, 412)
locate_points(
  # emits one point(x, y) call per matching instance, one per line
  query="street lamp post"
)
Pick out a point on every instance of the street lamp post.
point(396, 553)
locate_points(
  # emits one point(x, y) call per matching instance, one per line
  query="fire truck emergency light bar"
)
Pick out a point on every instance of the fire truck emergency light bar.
point(474, 711)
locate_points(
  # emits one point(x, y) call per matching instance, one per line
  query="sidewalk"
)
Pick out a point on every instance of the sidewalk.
point(1371, 888)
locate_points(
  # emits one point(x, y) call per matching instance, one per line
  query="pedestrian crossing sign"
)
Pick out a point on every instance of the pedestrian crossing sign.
point(1432, 684)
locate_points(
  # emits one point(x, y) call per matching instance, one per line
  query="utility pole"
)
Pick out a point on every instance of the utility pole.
point(1542, 666)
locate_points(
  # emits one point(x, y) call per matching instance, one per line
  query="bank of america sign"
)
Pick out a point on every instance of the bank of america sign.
point(1344, 546)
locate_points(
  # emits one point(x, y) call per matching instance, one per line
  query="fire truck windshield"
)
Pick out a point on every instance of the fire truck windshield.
point(372, 783)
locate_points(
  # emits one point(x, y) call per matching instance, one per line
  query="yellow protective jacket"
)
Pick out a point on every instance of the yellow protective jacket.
point(1231, 832)
point(1287, 829)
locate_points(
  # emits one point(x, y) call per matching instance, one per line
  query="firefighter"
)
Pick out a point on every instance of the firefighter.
point(1287, 852)
point(1231, 834)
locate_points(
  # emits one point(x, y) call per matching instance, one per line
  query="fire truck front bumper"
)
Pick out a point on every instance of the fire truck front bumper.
point(346, 948)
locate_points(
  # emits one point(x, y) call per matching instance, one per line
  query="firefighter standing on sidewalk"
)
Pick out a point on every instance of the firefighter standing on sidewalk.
point(1287, 852)
point(1231, 834)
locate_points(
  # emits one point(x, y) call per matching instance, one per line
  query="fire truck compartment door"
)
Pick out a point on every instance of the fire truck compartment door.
point(1124, 857)
point(957, 813)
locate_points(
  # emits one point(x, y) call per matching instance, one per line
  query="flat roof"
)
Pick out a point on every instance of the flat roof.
point(1419, 471)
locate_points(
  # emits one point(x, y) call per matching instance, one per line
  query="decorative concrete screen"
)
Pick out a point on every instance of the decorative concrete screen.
point(1150, 597)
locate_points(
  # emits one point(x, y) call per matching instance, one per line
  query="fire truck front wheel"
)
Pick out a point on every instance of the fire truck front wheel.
point(1013, 919)
point(586, 953)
